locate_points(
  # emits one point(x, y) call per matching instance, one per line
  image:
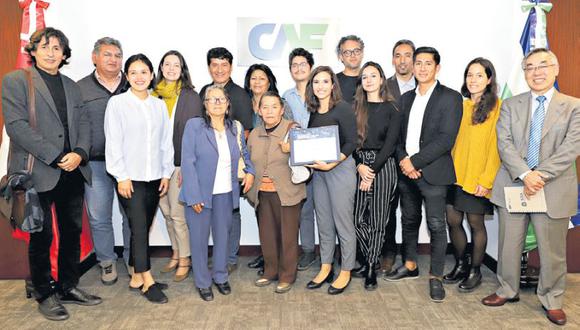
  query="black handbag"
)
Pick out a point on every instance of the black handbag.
point(18, 198)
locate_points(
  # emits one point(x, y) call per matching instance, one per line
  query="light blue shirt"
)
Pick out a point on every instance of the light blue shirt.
point(405, 86)
point(297, 106)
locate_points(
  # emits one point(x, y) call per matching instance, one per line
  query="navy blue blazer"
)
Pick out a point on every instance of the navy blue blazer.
point(199, 158)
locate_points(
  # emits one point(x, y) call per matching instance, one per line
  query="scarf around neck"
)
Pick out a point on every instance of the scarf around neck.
point(168, 92)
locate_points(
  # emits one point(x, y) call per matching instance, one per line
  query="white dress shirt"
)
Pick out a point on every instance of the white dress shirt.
point(138, 135)
point(416, 119)
point(223, 174)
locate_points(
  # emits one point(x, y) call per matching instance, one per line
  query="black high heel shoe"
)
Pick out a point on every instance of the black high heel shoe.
point(313, 285)
point(334, 291)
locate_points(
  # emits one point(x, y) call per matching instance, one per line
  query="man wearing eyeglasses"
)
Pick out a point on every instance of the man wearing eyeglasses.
point(301, 62)
point(538, 136)
point(350, 51)
point(219, 65)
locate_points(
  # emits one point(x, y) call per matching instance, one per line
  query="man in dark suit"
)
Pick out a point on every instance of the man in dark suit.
point(400, 83)
point(427, 168)
point(60, 145)
point(219, 65)
point(538, 135)
point(403, 80)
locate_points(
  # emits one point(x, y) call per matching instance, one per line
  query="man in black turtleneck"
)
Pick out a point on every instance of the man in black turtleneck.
point(60, 144)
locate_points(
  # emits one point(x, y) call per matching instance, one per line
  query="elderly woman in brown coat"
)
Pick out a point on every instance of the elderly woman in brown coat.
point(277, 200)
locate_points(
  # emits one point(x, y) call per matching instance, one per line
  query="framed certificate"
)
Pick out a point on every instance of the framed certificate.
point(308, 145)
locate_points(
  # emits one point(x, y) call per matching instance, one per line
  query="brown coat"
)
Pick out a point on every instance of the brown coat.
point(266, 153)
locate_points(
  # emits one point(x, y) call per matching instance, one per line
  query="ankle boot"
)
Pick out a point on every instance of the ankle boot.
point(360, 272)
point(472, 281)
point(371, 278)
point(459, 272)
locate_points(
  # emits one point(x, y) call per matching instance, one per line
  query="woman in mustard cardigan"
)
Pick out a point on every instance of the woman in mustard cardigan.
point(476, 161)
point(173, 85)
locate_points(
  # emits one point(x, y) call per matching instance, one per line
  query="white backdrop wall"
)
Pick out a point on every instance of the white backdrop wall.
point(460, 30)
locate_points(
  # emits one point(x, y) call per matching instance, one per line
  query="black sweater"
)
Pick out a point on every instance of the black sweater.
point(95, 98)
point(343, 116)
point(383, 127)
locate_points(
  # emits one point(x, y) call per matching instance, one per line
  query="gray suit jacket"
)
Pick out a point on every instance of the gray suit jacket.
point(46, 142)
point(559, 148)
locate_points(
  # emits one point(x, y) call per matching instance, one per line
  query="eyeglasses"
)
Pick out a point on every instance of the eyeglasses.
point(302, 65)
point(540, 68)
point(351, 52)
point(216, 100)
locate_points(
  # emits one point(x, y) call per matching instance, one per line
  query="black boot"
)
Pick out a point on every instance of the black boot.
point(459, 272)
point(472, 281)
point(360, 272)
point(371, 278)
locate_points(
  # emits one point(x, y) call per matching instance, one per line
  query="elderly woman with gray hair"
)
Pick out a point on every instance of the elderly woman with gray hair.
point(277, 200)
point(210, 154)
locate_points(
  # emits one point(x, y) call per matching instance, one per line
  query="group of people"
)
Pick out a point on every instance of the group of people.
point(154, 141)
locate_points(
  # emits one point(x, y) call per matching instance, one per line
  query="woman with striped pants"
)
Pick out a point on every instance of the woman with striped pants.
point(378, 125)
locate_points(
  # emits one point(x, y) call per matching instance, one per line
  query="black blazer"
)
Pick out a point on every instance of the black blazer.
point(438, 132)
point(188, 106)
point(393, 86)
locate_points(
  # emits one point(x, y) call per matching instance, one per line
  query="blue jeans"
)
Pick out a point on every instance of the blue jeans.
point(307, 221)
point(99, 202)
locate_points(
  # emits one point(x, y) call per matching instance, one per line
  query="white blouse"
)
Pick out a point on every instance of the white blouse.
point(138, 136)
point(223, 174)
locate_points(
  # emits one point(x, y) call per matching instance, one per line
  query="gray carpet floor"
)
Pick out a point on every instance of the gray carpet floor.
point(401, 305)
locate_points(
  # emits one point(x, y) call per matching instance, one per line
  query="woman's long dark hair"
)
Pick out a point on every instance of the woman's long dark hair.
point(184, 77)
point(361, 103)
point(269, 74)
point(488, 100)
point(312, 102)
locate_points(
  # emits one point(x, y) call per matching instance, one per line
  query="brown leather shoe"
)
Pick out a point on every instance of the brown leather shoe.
point(494, 300)
point(556, 316)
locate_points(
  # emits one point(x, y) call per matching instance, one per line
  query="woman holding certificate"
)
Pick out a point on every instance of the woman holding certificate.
point(476, 161)
point(334, 183)
point(378, 124)
point(277, 200)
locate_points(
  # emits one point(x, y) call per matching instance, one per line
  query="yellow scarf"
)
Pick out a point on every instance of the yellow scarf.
point(168, 92)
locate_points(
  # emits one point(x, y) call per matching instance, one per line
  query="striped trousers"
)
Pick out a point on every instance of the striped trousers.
point(372, 208)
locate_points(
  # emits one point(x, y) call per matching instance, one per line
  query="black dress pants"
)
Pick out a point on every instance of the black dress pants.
point(67, 197)
point(413, 193)
point(140, 210)
point(390, 245)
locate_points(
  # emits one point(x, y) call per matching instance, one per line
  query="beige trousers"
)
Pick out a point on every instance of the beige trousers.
point(173, 211)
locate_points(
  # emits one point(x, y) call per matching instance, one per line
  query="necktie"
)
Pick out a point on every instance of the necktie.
point(536, 133)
